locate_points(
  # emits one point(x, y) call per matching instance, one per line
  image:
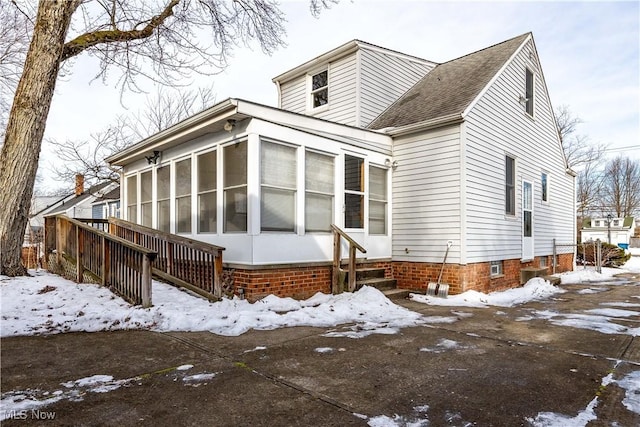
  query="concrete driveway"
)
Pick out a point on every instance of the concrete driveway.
point(466, 367)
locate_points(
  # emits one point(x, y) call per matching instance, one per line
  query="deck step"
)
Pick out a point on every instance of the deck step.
point(377, 282)
point(396, 294)
point(554, 280)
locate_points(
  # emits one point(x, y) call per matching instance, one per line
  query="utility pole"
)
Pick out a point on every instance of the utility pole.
point(609, 217)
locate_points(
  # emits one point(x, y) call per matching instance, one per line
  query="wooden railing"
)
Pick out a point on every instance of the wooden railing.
point(188, 263)
point(336, 283)
point(116, 263)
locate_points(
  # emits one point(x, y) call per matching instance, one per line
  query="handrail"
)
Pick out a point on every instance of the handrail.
point(348, 238)
point(189, 263)
point(336, 283)
point(118, 264)
point(196, 244)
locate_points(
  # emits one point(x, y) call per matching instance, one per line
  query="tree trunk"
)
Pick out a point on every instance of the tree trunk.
point(25, 129)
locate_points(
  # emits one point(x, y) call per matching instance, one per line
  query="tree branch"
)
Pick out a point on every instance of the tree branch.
point(88, 40)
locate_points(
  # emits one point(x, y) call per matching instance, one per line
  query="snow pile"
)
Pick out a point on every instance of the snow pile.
point(47, 304)
point(534, 290)
point(630, 383)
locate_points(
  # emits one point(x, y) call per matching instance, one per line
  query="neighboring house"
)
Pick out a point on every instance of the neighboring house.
point(618, 232)
point(106, 205)
point(80, 204)
point(402, 153)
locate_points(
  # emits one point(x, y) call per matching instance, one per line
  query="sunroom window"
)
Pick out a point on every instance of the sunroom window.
point(132, 198)
point(278, 185)
point(145, 198)
point(320, 89)
point(183, 196)
point(319, 185)
point(235, 187)
point(207, 192)
point(163, 193)
point(353, 192)
point(377, 200)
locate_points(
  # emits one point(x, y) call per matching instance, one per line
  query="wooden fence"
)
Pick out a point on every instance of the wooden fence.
point(188, 263)
point(114, 262)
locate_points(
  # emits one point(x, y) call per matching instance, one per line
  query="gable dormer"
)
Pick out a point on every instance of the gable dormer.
point(351, 84)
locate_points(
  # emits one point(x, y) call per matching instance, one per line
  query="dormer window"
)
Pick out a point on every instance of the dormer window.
point(320, 89)
point(529, 91)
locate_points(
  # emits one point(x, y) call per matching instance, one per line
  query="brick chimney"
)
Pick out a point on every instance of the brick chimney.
point(79, 184)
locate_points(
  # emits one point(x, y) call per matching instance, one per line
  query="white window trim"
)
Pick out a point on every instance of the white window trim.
point(296, 190)
point(533, 93)
point(499, 265)
point(198, 193)
point(513, 215)
point(364, 193)
point(548, 175)
point(304, 191)
point(309, 91)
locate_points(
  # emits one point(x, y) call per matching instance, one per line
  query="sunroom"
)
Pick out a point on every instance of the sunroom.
point(264, 183)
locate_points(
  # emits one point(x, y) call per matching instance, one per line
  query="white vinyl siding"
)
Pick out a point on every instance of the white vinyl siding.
point(293, 95)
point(384, 78)
point(497, 126)
point(361, 86)
point(342, 92)
point(426, 196)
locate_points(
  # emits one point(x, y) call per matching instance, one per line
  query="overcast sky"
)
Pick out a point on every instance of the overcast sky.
point(589, 52)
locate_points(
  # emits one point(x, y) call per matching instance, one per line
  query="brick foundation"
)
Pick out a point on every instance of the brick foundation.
point(477, 276)
point(299, 282)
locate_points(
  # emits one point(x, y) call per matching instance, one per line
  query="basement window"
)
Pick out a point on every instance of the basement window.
point(497, 268)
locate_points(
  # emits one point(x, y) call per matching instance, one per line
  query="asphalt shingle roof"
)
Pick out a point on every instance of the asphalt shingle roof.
point(449, 88)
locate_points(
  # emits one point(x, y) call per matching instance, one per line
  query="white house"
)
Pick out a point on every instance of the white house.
point(617, 231)
point(402, 153)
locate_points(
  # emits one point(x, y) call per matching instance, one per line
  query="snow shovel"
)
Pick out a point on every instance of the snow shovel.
point(438, 289)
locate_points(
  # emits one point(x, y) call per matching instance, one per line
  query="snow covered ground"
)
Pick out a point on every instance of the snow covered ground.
point(48, 304)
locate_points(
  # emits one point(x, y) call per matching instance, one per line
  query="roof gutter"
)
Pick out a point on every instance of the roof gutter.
point(316, 62)
point(426, 125)
point(202, 119)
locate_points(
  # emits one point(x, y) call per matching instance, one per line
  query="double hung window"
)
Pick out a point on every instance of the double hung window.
point(145, 198)
point(278, 185)
point(235, 187)
point(377, 200)
point(183, 196)
point(319, 191)
point(207, 207)
point(320, 89)
point(163, 192)
point(132, 198)
point(353, 192)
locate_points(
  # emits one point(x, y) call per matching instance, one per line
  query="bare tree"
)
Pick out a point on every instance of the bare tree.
point(86, 156)
point(140, 38)
point(589, 190)
point(578, 150)
point(621, 192)
point(15, 30)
